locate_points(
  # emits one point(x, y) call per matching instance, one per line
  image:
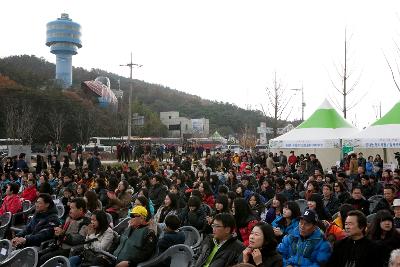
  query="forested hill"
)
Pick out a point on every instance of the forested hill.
point(36, 73)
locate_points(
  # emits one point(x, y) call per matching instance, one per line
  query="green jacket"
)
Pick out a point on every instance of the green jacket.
point(136, 245)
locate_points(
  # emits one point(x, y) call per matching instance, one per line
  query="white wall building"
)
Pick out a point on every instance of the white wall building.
point(180, 126)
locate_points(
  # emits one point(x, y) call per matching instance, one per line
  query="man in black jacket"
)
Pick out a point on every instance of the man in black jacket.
point(357, 200)
point(356, 250)
point(222, 248)
point(157, 191)
point(389, 194)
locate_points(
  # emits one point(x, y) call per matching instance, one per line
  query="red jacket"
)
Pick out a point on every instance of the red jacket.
point(12, 204)
point(245, 232)
point(209, 200)
point(29, 193)
point(292, 160)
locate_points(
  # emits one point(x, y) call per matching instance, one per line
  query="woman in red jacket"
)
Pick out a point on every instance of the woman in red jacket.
point(207, 194)
point(30, 191)
point(245, 220)
point(12, 201)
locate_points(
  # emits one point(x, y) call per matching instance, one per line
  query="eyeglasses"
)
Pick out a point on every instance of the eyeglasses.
point(216, 226)
point(135, 215)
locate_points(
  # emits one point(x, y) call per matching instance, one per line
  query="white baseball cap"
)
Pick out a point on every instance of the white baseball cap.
point(396, 203)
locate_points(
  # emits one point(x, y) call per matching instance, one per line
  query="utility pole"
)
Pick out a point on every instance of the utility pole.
point(130, 65)
point(345, 76)
point(303, 104)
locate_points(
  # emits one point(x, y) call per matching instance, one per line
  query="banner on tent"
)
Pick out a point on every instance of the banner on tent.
point(374, 143)
point(304, 144)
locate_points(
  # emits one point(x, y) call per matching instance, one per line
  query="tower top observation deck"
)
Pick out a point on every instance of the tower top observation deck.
point(63, 36)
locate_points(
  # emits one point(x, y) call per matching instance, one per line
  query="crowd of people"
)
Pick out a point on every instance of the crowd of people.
point(252, 209)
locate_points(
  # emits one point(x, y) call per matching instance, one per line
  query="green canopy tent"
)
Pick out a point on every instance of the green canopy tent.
point(323, 129)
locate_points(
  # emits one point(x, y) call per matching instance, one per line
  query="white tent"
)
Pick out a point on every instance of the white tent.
point(323, 129)
point(384, 133)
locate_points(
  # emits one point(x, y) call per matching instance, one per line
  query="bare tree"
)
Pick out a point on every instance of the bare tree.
point(11, 111)
point(21, 120)
point(278, 102)
point(57, 119)
point(27, 122)
point(395, 75)
point(344, 89)
point(248, 138)
point(85, 124)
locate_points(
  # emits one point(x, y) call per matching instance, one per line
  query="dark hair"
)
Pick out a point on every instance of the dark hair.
point(341, 186)
point(174, 201)
point(257, 197)
point(315, 185)
point(270, 243)
point(328, 186)
point(101, 182)
point(361, 219)
point(80, 203)
point(391, 187)
point(243, 213)
point(196, 192)
point(320, 209)
point(158, 178)
point(47, 199)
point(84, 188)
point(356, 187)
point(125, 184)
point(172, 222)
point(194, 201)
point(242, 188)
point(226, 219)
point(14, 188)
point(101, 217)
point(224, 201)
point(344, 210)
point(145, 192)
point(294, 208)
point(92, 201)
point(282, 200)
point(207, 188)
point(375, 230)
point(223, 189)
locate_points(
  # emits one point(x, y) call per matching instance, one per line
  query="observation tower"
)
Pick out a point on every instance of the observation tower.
point(64, 39)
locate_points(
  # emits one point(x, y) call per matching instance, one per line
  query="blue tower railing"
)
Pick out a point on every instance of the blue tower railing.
point(64, 39)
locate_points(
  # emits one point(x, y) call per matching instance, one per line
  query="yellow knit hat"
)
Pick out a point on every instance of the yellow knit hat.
point(139, 210)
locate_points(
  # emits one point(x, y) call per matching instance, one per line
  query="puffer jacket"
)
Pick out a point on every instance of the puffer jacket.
point(288, 229)
point(311, 251)
point(246, 230)
point(11, 203)
point(41, 227)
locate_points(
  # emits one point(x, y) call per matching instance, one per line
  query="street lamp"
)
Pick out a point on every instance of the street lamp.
point(130, 65)
point(303, 104)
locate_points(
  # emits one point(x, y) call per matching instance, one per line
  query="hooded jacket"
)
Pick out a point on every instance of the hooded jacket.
point(41, 227)
point(298, 251)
